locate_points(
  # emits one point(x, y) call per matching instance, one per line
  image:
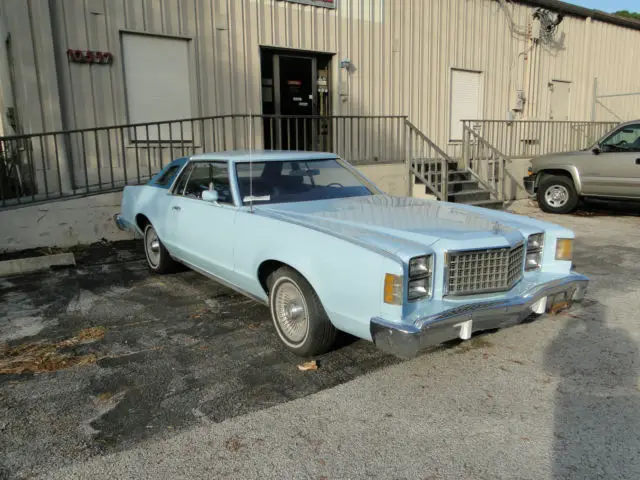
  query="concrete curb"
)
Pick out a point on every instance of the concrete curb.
point(34, 264)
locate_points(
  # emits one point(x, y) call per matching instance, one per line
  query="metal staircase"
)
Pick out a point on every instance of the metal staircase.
point(435, 173)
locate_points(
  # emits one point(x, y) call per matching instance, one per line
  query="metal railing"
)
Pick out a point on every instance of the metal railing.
point(63, 164)
point(530, 138)
point(486, 164)
point(427, 161)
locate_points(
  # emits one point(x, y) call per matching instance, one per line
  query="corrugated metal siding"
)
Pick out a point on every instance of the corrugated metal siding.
point(403, 52)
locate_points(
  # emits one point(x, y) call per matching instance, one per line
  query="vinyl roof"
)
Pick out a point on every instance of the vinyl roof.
point(263, 155)
point(582, 12)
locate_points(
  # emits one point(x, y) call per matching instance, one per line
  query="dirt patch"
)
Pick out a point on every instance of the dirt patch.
point(475, 343)
point(48, 357)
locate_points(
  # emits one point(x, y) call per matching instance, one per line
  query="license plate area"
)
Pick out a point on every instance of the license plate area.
point(559, 302)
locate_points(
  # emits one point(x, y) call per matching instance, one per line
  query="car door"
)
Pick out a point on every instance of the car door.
point(203, 233)
point(613, 169)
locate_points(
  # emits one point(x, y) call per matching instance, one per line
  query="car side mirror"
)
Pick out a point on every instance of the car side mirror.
point(596, 150)
point(210, 196)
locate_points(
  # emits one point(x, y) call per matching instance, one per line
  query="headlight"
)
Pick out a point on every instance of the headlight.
point(419, 266)
point(564, 249)
point(533, 259)
point(535, 241)
point(420, 276)
point(418, 289)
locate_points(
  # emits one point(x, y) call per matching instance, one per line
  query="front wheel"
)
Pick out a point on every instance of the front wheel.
point(298, 316)
point(157, 255)
point(557, 194)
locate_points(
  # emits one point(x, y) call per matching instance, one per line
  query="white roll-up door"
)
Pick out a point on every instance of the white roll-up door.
point(156, 72)
point(466, 99)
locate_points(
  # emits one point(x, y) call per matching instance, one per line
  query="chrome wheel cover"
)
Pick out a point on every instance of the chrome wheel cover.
point(556, 196)
point(289, 310)
point(152, 247)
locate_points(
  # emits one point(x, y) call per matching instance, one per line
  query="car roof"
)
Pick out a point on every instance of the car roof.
point(239, 156)
point(624, 124)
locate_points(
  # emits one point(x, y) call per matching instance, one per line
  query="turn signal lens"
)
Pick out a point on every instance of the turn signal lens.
point(564, 249)
point(393, 289)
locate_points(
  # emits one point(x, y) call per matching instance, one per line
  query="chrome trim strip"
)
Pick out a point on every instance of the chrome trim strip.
point(219, 280)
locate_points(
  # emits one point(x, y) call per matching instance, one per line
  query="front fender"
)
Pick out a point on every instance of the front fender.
point(572, 170)
point(347, 278)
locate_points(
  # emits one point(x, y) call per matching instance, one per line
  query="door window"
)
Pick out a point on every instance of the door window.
point(182, 181)
point(200, 176)
point(625, 139)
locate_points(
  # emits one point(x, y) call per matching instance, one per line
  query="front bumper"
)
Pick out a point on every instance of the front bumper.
point(530, 184)
point(406, 341)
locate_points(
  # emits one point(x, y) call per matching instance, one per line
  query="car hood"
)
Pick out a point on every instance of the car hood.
point(399, 224)
point(557, 156)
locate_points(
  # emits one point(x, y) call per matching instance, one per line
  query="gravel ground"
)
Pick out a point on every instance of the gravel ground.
point(554, 398)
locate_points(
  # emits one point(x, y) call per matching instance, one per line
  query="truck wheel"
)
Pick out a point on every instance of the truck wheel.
point(298, 316)
point(157, 255)
point(556, 194)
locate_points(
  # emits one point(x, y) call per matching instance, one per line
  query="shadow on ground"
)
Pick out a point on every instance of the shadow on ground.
point(592, 208)
point(597, 427)
point(176, 350)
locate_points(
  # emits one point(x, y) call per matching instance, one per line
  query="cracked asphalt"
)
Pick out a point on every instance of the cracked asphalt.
point(189, 381)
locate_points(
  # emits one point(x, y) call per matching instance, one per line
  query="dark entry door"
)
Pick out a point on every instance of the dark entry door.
point(295, 100)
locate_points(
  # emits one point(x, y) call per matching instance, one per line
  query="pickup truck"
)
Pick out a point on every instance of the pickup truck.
point(610, 169)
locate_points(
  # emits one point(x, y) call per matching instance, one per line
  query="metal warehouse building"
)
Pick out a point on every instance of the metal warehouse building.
point(383, 82)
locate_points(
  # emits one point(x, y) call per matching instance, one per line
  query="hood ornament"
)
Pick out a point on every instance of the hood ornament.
point(496, 228)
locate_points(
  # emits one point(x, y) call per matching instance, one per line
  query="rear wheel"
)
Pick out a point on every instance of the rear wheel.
point(557, 194)
point(298, 316)
point(158, 257)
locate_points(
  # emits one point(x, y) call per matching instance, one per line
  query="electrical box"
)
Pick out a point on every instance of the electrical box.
point(535, 29)
point(517, 100)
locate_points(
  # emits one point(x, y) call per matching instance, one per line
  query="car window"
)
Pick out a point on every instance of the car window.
point(205, 176)
point(182, 181)
point(625, 139)
point(298, 181)
point(167, 177)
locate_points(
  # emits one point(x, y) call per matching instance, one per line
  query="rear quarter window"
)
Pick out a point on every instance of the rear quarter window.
point(167, 177)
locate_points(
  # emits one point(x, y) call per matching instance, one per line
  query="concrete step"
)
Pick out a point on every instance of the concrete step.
point(456, 186)
point(469, 196)
point(457, 175)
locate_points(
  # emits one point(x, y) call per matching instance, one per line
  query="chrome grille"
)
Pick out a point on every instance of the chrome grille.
point(482, 271)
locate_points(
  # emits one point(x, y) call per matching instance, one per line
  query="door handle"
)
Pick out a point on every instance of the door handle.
point(637, 161)
point(176, 208)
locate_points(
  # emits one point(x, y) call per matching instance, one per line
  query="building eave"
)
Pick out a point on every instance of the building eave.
point(582, 12)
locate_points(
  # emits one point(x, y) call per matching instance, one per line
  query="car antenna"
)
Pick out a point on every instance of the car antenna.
point(250, 166)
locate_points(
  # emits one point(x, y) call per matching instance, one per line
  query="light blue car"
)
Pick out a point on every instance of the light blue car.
point(308, 235)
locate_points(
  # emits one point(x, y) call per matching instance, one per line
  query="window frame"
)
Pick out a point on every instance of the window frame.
point(188, 171)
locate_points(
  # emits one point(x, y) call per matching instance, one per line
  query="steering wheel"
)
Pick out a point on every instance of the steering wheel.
point(335, 184)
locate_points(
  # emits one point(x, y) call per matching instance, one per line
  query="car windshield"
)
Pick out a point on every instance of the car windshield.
point(298, 181)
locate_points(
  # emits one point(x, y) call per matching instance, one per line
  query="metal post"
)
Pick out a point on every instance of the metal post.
point(595, 99)
point(407, 156)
